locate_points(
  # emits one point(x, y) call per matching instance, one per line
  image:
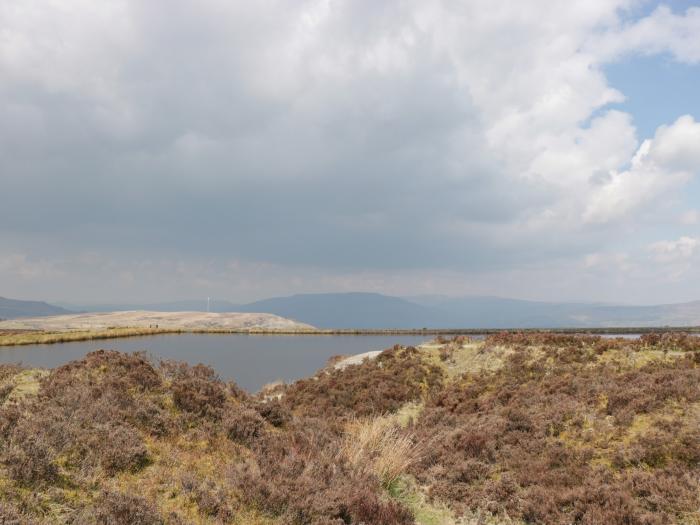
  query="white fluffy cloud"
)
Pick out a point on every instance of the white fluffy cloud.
point(668, 160)
point(663, 31)
point(361, 140)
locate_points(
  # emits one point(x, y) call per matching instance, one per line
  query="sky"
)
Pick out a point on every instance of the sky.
point(538, 149)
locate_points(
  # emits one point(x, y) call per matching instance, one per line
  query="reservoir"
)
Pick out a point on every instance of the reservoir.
point(250, 360)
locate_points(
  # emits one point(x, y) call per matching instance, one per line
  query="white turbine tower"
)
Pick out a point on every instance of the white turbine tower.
point(208, 304)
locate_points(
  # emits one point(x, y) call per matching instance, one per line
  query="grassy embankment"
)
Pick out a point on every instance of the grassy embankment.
point(520, 428)
point(30, 337)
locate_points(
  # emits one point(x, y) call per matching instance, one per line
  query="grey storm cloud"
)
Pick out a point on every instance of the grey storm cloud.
point(357, 171)
point(340, 136)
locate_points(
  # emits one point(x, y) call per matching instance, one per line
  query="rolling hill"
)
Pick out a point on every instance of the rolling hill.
point(372, 310)
point(14, 308)
point(350, 310)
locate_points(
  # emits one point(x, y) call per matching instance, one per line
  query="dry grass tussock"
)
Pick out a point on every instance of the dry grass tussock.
point(380, 445)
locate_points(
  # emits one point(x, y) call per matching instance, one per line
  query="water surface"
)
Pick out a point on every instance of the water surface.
point(249, 360)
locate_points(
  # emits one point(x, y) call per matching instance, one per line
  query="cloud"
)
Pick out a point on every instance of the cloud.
point(676, 258)
point(676, 146)
point(680, 250)
point(349, 142)
point(660, 164)
point(663, 31)
point(19, 266)
point(690, 217)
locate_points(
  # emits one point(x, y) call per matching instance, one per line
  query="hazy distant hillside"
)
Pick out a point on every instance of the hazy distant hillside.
point(351, 310)
point(14, 308)
point(371, 310)
point(495, 312)
point(682, 314)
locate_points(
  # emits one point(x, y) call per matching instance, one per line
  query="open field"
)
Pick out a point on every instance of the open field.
point(519, 428)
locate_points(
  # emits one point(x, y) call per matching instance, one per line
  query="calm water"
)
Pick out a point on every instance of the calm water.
point(249, 360)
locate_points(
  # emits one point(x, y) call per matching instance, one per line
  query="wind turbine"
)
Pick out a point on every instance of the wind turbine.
point(208, 298)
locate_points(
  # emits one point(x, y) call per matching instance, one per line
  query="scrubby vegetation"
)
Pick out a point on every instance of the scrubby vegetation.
point(570, 430)
point(520, 428)
point(397, 376)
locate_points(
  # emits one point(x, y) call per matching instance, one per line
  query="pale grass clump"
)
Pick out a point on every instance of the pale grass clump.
point(381, 446)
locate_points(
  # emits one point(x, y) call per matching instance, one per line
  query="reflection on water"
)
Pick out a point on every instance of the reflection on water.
point(249, 360)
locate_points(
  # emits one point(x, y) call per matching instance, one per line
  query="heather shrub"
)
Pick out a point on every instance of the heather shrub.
point(213, 501)
point(365, 507)
point(5, 391)
point(199, 391)
point(31, 463)
point(528, 440)
point(104, 366)
point(123, 508)
point(11, 515)
point(151, 416)
point(243, 425)
point(211, 498)
point(671, 341)
point(7, 371)
point(540, 339)
point(687, 447)
point(374, 387)
point(9, 416)
point(6, 374)
point(446, 353)
point(301, 478)
point(563, 430)
point(29, 458)
point(273, 412)
point(117, 448)
point(88, 413)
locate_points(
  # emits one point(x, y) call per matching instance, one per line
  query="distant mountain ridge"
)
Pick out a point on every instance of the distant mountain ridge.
point(351, 310)
point(373, 310)
point(369, 310)
point(14, 308)
point(497, 312)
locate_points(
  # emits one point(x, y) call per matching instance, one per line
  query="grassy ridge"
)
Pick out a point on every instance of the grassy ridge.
point(30, 337)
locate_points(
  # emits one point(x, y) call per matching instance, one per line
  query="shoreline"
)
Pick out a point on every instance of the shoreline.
point(30, 337)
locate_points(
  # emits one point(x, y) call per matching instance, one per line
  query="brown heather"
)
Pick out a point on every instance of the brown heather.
point(561, 435)
point(520, 428)
point(397, 376)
